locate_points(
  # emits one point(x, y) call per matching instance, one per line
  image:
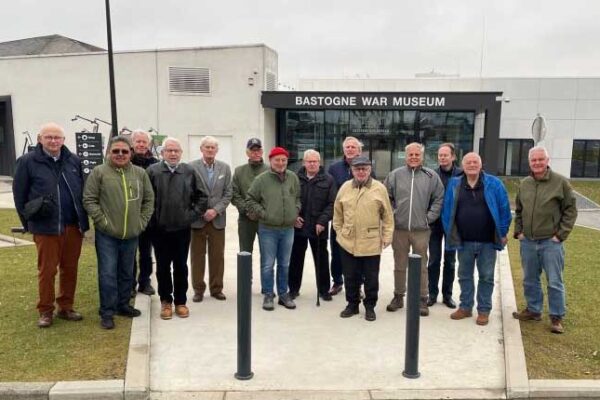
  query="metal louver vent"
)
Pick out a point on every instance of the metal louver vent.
point(271, 81)
point(189, 80)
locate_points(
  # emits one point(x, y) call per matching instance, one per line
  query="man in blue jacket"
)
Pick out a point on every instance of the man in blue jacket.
point(476, 217)
point(48, 190)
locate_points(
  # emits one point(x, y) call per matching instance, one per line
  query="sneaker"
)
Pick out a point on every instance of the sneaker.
point(166, 310)
point(482, 319)
point(336, 288)
point(423, 309)
point(349, 311)
point(396, 303)
point(461, 313)
point(370, 314)
point(326, 297)
point(69, 315)
point(286, 301)
point(129, 312)
point(182, 311)
point(198, 298)
point(556, 326)
point(45, 320)
point(268, 303)
point(526, 315)
point(147, 290)
point(107, 323)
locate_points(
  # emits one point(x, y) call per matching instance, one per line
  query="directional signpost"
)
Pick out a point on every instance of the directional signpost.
point(89, 150)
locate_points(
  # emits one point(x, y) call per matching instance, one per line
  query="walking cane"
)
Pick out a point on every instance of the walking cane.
point(318, 270)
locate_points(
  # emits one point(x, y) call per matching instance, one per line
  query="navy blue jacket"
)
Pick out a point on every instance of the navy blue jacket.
point(36, 175)
point(317, 196)
point(455, 171)
point(496, 199)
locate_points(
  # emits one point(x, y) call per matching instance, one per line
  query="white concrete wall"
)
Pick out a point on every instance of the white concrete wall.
point(56, 88)
point(570, 106)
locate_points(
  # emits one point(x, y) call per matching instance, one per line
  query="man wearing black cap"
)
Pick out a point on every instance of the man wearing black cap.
point(242, 179)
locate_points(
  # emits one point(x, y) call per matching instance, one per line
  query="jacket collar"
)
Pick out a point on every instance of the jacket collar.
point(543, 178)
point(367, 184)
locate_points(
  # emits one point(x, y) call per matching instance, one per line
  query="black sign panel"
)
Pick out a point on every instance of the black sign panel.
point(89, 150)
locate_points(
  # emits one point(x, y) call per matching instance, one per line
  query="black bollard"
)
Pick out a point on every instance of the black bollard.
point(411, 351)
point(244, 313)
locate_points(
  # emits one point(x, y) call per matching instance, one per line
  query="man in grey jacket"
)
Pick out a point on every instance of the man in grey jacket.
point(417, 195)
point(210, 229)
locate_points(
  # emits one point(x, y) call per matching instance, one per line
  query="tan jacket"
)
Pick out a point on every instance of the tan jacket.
point(363, 218)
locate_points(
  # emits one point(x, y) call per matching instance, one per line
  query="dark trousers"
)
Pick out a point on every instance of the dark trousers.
point(435, 257)
point(320, 258)
point(247, 231)
point(356, 271)
point(172, 248)
point(336, 262)
point(145, 261)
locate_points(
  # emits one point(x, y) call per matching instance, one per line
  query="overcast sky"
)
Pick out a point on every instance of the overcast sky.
point(345, 38)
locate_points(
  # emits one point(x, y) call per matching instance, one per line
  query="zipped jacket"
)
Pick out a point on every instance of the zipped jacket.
point(243, 177)
point(496, 199)
point(417, 195)
point(317, 198)
point(276, 201)
point(37, 175)
point(120, 201)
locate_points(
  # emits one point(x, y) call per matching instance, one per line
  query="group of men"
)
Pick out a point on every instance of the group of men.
point(138, 202)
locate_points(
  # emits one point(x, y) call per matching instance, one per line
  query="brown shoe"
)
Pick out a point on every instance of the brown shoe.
point(556, 326)
point(461, 313)
point(69, 315)
point(45, 320)
point(482, 318)
point(198, 297)
point(423, 309)
point(182, 311)
point(526, 315)
point(219, 296)
point(166, 310)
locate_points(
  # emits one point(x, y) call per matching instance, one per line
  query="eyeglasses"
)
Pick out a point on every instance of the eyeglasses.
point(53, 138)
point(119, 151)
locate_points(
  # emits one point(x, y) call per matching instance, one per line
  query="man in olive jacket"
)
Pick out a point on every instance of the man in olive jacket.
point(274, 197)
point(544, 216)
point(118, 197)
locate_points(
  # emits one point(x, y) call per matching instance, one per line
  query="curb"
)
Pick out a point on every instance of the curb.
point(137, 372)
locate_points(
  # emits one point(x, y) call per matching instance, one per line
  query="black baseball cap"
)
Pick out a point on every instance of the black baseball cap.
point(254, 142)
point(358, 161)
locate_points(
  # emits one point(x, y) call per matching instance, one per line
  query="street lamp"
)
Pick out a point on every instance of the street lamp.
point(111, 74)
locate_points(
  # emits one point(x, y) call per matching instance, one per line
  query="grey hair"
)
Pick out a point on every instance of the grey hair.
point(352, 138)
point(311, 152)
point(209, 140)
point(538, 148)
point(122, 139)
point(136, 132)
point(51, 126)
point(477, 156)
point(415, 144)
point(171, 139)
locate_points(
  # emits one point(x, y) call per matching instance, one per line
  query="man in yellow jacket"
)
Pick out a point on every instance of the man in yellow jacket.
point(364, 223)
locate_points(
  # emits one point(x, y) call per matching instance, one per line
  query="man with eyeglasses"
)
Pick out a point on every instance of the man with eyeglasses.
point(48, 190)
point(118, 197)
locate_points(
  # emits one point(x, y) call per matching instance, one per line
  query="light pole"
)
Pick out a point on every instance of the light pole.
point(111, 74)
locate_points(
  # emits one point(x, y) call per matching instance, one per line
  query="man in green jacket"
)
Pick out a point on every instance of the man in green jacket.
point(118, 197)
point(242, 179)
point(544, 216)
point(274, 197)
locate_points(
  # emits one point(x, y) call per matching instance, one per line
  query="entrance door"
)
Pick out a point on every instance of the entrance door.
point(384, 153)
point(7, 138)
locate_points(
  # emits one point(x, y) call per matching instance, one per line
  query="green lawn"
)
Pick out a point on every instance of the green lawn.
point(576, 353)
point(67, 350)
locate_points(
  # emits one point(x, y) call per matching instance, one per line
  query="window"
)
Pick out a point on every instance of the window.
point(189, 80)
point(585, 159)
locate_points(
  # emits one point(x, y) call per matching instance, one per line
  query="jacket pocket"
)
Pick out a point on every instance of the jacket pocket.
point(372, 232)
point(347, 231)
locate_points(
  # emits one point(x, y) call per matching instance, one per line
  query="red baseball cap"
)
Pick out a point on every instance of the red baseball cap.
point(278, 151)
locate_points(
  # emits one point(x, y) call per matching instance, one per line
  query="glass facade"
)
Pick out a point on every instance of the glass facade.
point(585, 159)
point(384, 134)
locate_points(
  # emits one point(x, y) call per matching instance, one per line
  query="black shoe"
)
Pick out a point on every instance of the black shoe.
point(294, 294)
point(147, 290)
point(370, 314)
point(336, 288)
point(349, 311)
point(326, 297)
point(107, 323)
point(432, 300)
point(129, 312)
point(449, 302)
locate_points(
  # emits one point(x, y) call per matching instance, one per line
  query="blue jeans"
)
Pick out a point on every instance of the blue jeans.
point(115, 272)
point(484, 255)
point(549, 256)
point(275, 245)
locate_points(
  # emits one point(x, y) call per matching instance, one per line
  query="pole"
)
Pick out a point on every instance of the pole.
point(111, 74)
point(244, 311)
point(411, 351)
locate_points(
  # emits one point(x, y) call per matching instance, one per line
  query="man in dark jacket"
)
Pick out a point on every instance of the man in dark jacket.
point(143, 158)
point(317, 195)
point(446, 170)
point(47, 189)
point(180, 201)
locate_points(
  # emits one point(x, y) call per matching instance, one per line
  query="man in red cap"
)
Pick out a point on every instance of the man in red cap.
point(274, 197)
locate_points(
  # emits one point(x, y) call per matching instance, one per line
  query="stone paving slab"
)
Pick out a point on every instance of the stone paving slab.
point(25, 390)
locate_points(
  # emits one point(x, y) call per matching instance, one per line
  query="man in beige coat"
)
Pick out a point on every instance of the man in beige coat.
point(364, 223)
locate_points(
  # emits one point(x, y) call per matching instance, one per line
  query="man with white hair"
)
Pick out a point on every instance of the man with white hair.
point(544, 216)
point(179, 201)
point(209, 231)
point(143, 158)
point(48, 192)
